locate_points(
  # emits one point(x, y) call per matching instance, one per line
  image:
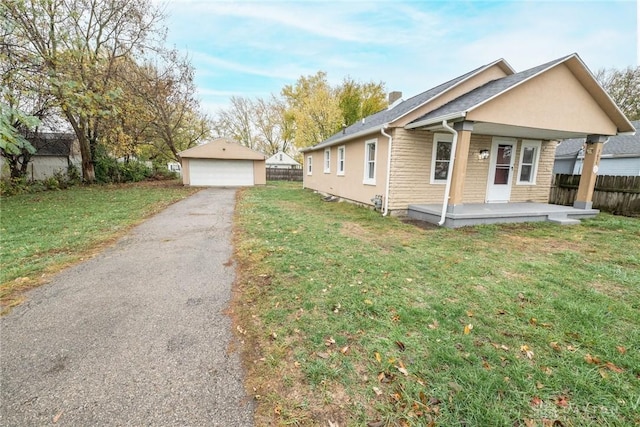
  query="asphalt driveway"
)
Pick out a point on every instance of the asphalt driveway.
point(135, 336)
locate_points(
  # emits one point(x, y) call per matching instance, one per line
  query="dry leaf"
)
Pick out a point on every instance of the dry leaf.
point(57, 417)
point(469, 313)
point(562, 401)
point(378, 358)
point(621, 349)
point(401, 345)
point(592, 360)
point(527, 351)
point(539, 385)
point(332, 424)
point(323, 355)
point(613, 367)
point(433, 325)
point(344, 349)
point(329, 341)
point(554, 345)
point(536, 401)
point(375, 424)
point(377, 391)
point(486, 365)
point(467, 329)
point(530, 423)
point(603, 373)
point(533, 321)
point(403, 371)
point(277, 410)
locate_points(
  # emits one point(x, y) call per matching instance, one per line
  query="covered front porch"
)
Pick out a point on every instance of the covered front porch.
point(493, 213)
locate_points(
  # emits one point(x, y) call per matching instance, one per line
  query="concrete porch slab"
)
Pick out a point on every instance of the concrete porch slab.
point(494, 213)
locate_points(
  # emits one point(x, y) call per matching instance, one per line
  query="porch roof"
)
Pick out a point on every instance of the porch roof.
point(461, 107)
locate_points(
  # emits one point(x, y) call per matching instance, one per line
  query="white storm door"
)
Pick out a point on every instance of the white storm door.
point(503, 154)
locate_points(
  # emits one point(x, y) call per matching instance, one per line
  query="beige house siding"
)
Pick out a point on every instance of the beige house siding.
point(349, 186)
point(475, 186)
point(410, 169)
point(259, 172)
point(540, 192)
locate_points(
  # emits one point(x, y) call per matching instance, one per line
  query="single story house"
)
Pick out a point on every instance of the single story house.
point(222, 163)
point(476, 149)
point(55, 153)
point(620, 155)
point(282, 160)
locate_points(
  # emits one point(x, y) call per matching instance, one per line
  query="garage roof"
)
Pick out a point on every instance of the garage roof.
point(222, 148)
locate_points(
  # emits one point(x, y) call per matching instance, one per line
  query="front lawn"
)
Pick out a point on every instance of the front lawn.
point(43, 232)
point(351, 319)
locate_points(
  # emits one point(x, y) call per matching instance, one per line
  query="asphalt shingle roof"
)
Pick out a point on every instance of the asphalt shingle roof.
point(470, 99)
point(399, 110)
point(619, 145)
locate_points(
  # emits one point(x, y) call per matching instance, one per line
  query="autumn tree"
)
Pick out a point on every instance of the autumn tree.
point(358, 100)
point(624, 88)
point(314, 108)
point(77, 43)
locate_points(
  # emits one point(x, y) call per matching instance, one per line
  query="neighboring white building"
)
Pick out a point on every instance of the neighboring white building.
point(282, 160)
point(620, 155)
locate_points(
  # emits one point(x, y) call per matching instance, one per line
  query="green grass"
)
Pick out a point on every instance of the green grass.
point(353, 318)
point(42, 232)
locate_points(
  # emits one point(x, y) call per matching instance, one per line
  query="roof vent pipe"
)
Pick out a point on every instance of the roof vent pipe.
point(447, 188)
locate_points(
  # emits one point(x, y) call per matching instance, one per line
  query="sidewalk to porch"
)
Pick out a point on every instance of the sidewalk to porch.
point(493, 213)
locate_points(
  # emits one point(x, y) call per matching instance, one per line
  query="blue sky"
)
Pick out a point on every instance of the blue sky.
point(253, 49)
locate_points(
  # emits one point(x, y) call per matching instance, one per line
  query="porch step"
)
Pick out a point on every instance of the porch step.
point(562, 220)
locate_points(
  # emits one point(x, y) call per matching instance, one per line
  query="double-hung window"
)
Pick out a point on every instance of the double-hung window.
point(309, 165)
point(528, 166)
point(370, 162)
point(341, 157)
point(327, 160)
point(441, 157)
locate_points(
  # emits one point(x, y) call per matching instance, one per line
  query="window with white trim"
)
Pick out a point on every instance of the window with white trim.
point(441, 157)
point(327, 160)
point(309, 165)
point(528, 165)
point(370, 162)
point(341, 159)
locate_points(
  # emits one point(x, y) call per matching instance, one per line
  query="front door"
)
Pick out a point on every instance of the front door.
point(503, 153)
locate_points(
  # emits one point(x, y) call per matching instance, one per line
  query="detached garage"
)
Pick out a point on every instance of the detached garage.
point(222, 163)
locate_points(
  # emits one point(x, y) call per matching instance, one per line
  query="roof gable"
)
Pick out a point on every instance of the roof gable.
point(286, 159)
point(222, 148)
point(478, 103)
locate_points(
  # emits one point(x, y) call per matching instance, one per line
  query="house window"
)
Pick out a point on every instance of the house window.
point(441, 157)
point(341, 152)
point(309, 165)
point(370, 162)
point(528, 166)
point(327, 160)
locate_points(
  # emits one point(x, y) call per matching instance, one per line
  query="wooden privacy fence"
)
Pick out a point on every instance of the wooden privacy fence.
point(274, 174)
point(615, 194)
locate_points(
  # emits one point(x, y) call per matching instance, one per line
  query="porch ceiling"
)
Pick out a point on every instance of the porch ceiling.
point(497, 129)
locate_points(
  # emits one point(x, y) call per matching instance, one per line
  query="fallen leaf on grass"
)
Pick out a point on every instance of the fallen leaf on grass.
point(562, 401)
point(323, 355)
point(592, 360)
point(469, 313)
point(621, 349)
point(468, 328)
point(375, 424)
point(377, 391)
point(536, 401)
point(403, 371)
point(527, 351)
point(344, 349)
point(554, 345)
point(401, 345)
point(329, 341)
point(433, 325)
point(613, 367)
point(332, 424)
point(378, 357)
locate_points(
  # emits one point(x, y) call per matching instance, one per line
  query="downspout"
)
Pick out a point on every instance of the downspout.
point(386, 191)
point(447, 188)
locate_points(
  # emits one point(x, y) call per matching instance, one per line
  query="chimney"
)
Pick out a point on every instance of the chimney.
point(394, 96)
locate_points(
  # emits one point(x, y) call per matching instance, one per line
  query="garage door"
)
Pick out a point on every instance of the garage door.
point(207, 172)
